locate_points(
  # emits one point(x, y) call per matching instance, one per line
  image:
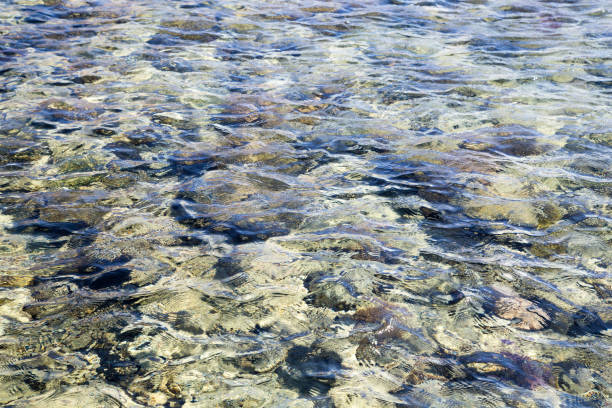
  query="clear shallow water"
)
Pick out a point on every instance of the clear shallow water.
point(305, 204)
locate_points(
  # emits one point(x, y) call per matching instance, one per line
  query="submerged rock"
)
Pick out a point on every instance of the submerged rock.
point(336, 295)
point(59, 110)
point(519, 369)
point(229, 203)
point(522, 313)
point(310, 371)
point(16, 281)
point(173, 119)
point(512, 140)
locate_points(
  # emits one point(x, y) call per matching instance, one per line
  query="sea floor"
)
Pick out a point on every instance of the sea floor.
point(305, 204)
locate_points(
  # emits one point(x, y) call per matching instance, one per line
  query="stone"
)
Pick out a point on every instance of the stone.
point(522, 313)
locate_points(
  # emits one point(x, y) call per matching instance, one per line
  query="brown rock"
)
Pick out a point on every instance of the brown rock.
point(529, 315)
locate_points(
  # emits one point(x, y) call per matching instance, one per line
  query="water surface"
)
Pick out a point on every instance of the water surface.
point(306, 204)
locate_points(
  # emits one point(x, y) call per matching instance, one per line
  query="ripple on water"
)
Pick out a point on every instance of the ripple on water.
point(304, 204)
